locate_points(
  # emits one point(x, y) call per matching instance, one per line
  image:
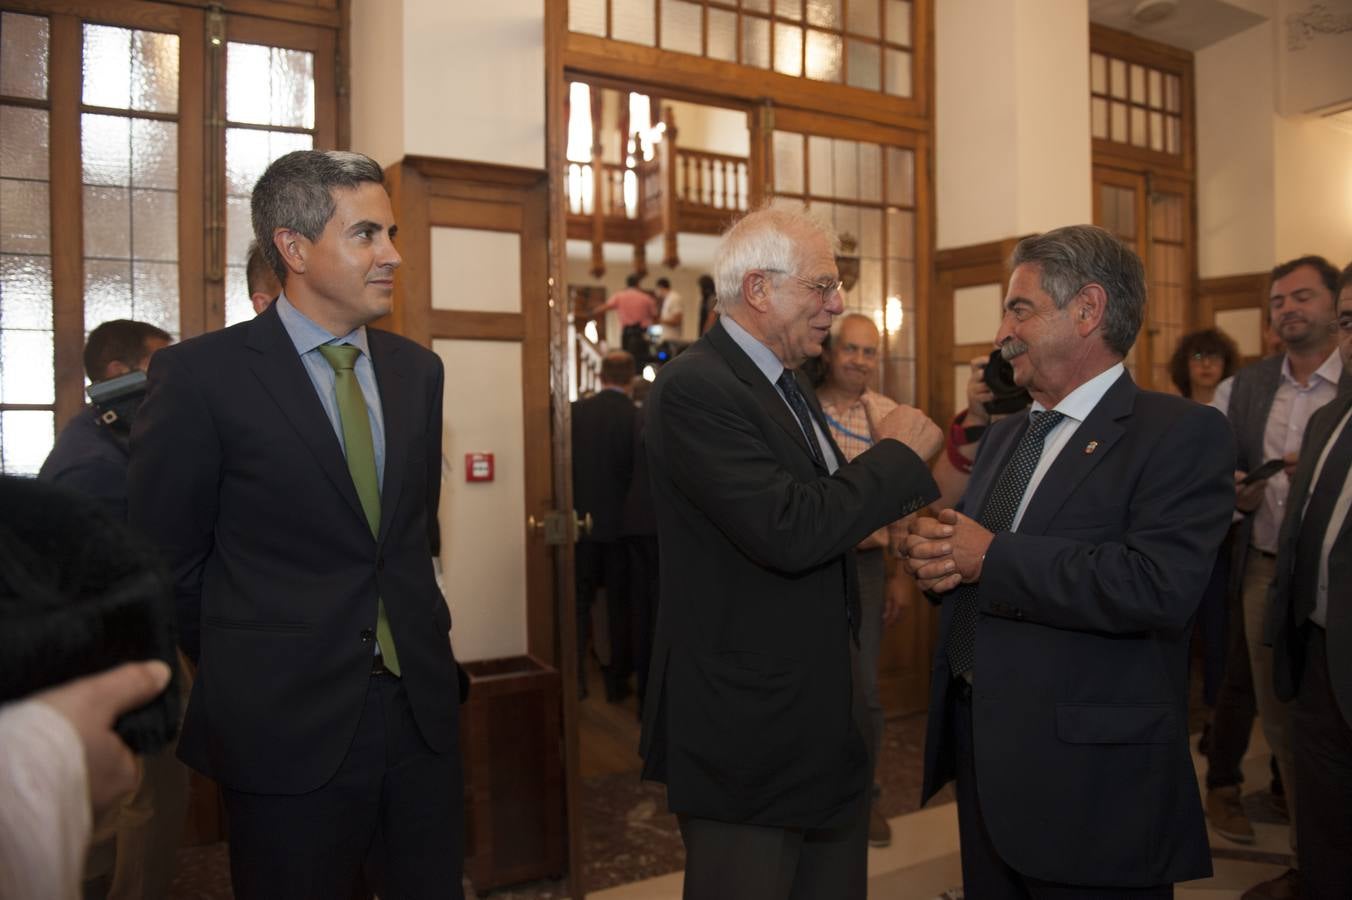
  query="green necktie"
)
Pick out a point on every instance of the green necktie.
point(361, 464)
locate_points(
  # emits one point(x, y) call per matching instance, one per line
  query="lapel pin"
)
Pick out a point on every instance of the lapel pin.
point(1090, 447)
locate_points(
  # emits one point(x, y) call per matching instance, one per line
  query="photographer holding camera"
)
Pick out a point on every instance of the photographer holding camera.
point(991, 395)
point(132, 855)
point(91, 453)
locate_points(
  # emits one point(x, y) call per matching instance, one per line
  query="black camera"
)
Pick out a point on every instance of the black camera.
point(118, 399)
point(999, 377)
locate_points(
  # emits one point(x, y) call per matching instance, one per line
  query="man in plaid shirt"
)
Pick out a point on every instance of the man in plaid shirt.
point(852, 409)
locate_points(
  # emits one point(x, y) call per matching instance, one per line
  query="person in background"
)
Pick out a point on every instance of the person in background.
point(603, 464)
point(708, 303)
point(1269, 405)
point(263, 284)
point(1200, 362)
point(1310, 631)
point(636, 310)
point(853, 409)
point(672, 310)
point(133, 855)
point(90, 455)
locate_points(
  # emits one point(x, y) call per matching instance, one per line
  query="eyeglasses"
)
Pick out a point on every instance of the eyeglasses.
point(1206, 357)
point(825, 289)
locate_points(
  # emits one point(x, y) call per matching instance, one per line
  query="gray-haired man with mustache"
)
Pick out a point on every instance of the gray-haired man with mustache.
point(1069, 575)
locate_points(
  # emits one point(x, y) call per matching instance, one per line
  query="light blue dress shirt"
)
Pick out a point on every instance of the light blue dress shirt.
point(308, 337)
point(769, 364)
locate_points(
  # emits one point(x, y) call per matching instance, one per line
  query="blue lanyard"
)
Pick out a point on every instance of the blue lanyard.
point(845, 431)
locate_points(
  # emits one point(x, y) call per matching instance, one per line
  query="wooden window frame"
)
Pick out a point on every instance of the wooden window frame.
point(319, 26)
point(1170, 60)
point(587, 56)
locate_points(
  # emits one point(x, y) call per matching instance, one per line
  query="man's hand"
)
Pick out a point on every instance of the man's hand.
point(1248, 497)
point(92, 704)
point(914, 429)
point(978, 394)
point(945, 552)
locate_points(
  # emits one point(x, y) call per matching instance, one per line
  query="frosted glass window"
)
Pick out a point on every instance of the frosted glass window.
point(587, 17)
point(789, 9)
point(25, 292)
point(845, 169)
point(23, 143)
point(26, 367)
point(788, 49)
point(862, 18)
point(23, 56)
point(1098, 116)
point(897, 72)
point(824, 13)
point(722, 35)
point(823, 56)
point(26, 437)
point(870, 173)
point(270, 85)
point(819, 167)
point(129, 69)
point(633, 21)
point(756, 42)
point(681, 26)
point(25, 225)
point(1098, 73)
point(248, 152)
point(116, 150)
point(865, 65)
point(900, 176)
point(788, 150)
point(898, 14)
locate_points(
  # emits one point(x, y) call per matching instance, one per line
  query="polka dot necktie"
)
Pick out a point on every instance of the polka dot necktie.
point(996, 516)
point(798, 403)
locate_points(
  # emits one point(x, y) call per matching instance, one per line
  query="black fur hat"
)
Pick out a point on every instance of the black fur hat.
point(79, 593)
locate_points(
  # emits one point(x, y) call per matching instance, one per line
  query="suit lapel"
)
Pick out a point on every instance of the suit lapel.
point(279, 368)
point(765, 393)
point(1102, 429)
point(395, 397)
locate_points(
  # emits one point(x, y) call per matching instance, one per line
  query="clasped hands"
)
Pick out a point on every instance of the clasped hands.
point(942, 553)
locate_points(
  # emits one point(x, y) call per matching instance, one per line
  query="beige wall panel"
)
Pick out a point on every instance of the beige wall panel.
point(483, 536)
point(376, 79)
point(476, 270)
point(1245, 328)
point(976, 314)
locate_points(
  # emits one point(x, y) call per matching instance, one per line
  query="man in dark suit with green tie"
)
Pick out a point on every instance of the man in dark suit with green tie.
point(289, 467)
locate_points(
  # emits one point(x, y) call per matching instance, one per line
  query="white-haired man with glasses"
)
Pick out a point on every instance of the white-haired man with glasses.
point(753, 717)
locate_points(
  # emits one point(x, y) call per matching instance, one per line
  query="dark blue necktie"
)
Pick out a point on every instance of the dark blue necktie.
point(1315, 522)
point(996, 516)
point(798, 403)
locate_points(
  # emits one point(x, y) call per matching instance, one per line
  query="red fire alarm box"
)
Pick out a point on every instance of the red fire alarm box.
point(478, 467)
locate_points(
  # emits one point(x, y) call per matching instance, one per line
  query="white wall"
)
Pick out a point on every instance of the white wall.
point(1314, 189)
point(1012, 146)
point(1236, 154)
point(377, 79)
point(1269, 187)
point(455, 80)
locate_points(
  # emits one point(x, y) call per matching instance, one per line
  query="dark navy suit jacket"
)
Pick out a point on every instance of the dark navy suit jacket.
point(1080, 696)
point(238, 475)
